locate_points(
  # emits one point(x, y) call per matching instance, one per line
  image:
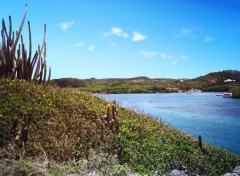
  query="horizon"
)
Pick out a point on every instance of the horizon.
point(125, 39)
point(143, 76)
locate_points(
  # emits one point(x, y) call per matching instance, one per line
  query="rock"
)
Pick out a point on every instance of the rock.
point(176, 172)
point(230, 174)
point(90, 173)
point(236, 170)
point(93, 173)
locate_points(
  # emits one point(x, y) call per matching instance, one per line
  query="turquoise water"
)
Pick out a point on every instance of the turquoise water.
point(216, 118)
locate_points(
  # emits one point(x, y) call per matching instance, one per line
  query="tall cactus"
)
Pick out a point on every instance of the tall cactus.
point(112, 116)
point(15, 62)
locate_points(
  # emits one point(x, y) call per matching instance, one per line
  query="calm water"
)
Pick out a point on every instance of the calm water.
point(217, 119)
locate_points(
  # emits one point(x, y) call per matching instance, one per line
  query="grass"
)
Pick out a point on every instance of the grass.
point(98, 164)
point(68, 126)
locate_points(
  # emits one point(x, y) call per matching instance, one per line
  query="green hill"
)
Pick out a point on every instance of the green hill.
point(66, 126)
point(216, 81)
point(208, 83)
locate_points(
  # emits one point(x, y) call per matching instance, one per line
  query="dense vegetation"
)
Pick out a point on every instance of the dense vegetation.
point(68, 83)
point(65, 125)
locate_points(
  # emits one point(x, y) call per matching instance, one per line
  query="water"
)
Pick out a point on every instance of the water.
point(216, 118)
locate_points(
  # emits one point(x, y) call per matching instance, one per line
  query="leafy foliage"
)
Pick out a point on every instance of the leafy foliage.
point(71, 122)
point(150, 147)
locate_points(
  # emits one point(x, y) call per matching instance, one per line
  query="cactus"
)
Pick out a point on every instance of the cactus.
point(200, 142)
point(108, 117)
point(25, 135)
point(15, 63)
point(114, 112)
point(112, 117)
point(15, 123)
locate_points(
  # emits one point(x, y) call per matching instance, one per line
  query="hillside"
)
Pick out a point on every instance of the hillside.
point(59, 126)
point(224, 81)
point(211, 82)
point(218, 77)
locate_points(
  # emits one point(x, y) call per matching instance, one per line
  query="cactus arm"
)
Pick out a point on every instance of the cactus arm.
point(18, 35)
point(49, 76)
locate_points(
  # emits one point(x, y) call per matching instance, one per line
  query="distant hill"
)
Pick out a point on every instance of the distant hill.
point(212, 82)
point(68, 82)
point(74, 82)
point(211, 78)
point(217, 77)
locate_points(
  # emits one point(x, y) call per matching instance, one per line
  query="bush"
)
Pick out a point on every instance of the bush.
point(235, 92)
point(71, 122)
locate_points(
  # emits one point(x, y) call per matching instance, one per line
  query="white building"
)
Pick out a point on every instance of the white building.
point(229, 81)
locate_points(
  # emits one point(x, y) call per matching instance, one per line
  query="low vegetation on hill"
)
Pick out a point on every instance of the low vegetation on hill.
point(68, 83)
point(65, 125)
point(212, 82)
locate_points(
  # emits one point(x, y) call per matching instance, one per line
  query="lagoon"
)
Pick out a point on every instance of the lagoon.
point(216, 118)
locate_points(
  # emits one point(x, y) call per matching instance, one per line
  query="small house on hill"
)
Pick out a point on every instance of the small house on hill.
point(229, 81)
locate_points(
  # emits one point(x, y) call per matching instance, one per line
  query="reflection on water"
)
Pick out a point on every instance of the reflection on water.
point(216, 118)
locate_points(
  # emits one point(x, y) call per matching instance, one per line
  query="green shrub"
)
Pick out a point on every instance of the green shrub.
point(149, 146)
point(235, 92)
point(70, 121)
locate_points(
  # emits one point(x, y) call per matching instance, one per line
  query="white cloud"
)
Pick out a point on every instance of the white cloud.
point(91, 47)
point(184, 32)
point(117, 32)
point(137, 36)
point(151, 54)
point(193, 33)
point(181, 57)
point(165, 56)
point(174, 62)
point(172, 59)
point(79, 45)
point(66, 25)
point(66, 45)
point(208, 39)
point(113, 44)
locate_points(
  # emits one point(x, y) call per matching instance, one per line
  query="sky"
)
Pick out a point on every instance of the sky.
point(130, 38)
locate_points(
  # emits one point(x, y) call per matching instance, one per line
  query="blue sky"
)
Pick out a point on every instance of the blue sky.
point(129, 38)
